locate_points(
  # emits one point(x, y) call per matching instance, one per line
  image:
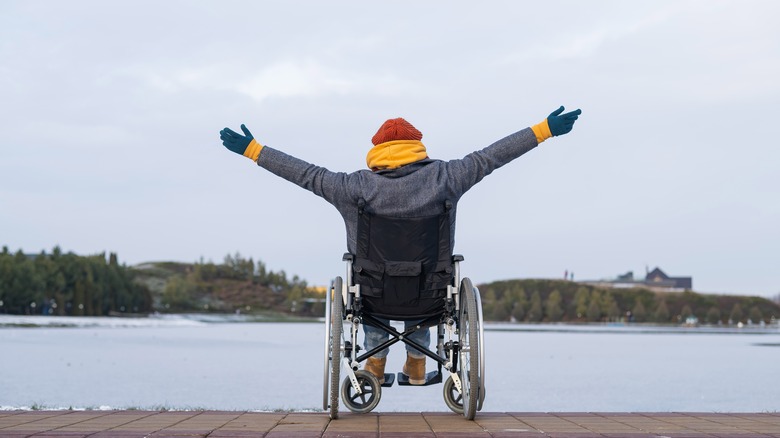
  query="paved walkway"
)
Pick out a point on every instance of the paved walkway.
point(130, 424)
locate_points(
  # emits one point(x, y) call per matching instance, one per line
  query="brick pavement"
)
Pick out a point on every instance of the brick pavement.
point(194, 424)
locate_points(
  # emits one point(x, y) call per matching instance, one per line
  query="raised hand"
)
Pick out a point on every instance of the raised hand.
point(562, 123)
point(235, 141)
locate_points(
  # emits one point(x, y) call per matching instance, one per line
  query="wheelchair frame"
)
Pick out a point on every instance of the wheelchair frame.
point(462, 355)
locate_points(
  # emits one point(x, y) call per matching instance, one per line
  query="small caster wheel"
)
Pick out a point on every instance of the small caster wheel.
point(452, 397)
point(368, 399)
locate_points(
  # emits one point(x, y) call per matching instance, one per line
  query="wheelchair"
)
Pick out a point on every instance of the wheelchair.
point(403, 270)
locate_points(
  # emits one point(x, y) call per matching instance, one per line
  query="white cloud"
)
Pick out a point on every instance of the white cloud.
point(293, 79)
point(282, 79)
point(586, 42)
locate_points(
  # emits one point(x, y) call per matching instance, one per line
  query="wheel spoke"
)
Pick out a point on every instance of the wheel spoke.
point(366, 397)
point(458, 398)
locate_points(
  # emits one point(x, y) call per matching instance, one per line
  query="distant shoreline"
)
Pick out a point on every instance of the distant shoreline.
point(204, 319)
point(152, 320)
point(632, 328)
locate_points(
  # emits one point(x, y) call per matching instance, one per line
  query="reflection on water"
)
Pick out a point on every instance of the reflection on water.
point(269, 366)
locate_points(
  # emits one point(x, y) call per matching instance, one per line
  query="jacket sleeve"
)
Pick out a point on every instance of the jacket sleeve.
point(464, 173)
point(332, 186)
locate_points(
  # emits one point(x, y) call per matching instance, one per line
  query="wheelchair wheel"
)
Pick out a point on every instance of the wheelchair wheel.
point(326, 350)
point(482, 390)
point(367, 400)
point(334, 328)
point(469, 328)
point(452, 397)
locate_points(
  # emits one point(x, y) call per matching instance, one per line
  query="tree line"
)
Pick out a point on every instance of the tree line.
point(60, 283)
point(567, 301)
point(237, 284)
point(67, 284)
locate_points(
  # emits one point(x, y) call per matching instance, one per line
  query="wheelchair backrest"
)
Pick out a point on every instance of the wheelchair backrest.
point(403, 265)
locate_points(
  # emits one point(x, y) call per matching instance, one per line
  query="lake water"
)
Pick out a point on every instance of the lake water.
point(186, 364)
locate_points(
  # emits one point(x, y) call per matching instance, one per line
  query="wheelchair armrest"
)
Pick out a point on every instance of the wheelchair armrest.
point(457, 258)
point(348, 257)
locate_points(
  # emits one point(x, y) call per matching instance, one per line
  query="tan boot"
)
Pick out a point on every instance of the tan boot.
point(376, 367)
point(415, 369)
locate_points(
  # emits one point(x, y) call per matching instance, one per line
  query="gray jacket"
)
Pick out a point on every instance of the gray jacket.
point(417, 189)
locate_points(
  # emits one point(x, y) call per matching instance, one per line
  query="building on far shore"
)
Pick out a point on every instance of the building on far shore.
point(655, 280)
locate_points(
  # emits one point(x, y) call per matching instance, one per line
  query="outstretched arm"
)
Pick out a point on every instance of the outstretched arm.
point(471, 169)
point(322, 182)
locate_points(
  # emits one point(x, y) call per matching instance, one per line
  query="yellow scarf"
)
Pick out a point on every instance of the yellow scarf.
point(394, 154)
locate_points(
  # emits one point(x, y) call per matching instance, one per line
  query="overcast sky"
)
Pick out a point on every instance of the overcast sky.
point(110, 115)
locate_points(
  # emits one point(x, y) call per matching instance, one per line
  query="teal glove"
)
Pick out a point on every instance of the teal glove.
point(235, 141)
point(562, 123)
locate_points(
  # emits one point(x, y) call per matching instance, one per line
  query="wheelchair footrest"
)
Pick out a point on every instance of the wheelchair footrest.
point(431, 378)
point(389, 380)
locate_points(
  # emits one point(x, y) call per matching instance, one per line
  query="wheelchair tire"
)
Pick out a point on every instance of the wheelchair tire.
point(482, 390)
point(336, 331)
point(452, 397)
point(469, 348)
point(367, 400)
point(326, 350)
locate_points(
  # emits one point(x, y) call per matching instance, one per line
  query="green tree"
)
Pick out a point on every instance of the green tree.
point(535, 308)
point(6, 267)
point(594, 308)
point(713, 315)
point(639, 312)
point(662, 312)
point(26, 291)
point(294, 296)
point(755, 315)
point(488, 303)
point(64, 284)
point(581, 298)
point(115, 289)
point(14, 296)
point(78, 298)
point(614, 312)
point(519, 305)
point(261, 272)
point(59, 285)
point(495, 307)
point(176, 295)
point(610, 307)
point(736, 313)
point(553, 307)
point(686, 312)
point(90, 288)
point(504, 307)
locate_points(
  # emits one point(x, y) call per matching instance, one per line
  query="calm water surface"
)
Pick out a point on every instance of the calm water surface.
point(268, 366)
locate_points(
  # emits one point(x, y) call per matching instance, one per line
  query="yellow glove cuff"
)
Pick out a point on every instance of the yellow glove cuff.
point(542, 131)
point(253, 150)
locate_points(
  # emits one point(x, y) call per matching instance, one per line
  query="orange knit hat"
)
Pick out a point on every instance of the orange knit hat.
point(396, 129)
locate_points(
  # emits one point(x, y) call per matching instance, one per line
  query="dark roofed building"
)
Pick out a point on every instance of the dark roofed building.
point(658, 278)
point(655, 279)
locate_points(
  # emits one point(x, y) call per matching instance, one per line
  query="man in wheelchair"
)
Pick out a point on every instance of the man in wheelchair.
point(400, 219)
